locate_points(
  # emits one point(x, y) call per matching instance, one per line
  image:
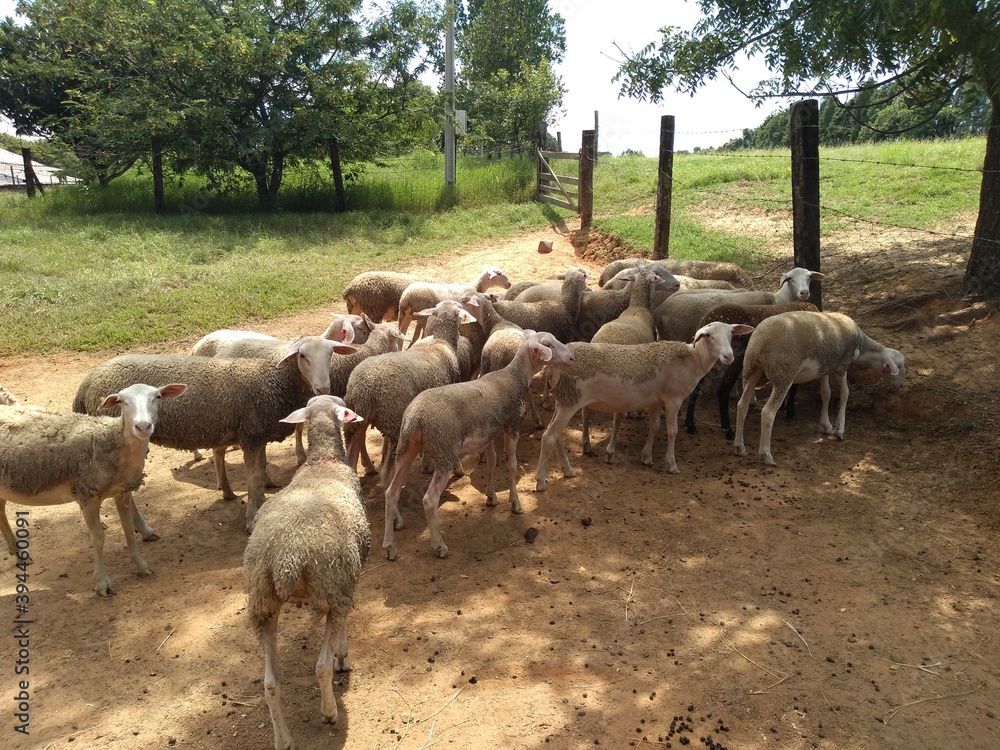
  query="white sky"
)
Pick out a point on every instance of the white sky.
point(716, 114)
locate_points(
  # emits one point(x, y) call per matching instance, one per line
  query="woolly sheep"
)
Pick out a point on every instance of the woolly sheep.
point(727, 375)
point(7, 398)
point(620, 378)
point(471, 340)
point(230, 401)
point(382, 387)
point(536, 291)
point(557, 317)
point(377, 293)
point(677, 318)
point(796, 347)
point(440, 423)
point(50, 458)
point(696, 269)
point(309, 544)
point(210, 344)
point(423, 295)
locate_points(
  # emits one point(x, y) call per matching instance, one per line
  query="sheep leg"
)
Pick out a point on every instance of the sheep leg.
point(609, 451)
point(272, 685)
point(670, 412)
point(654, 425)
point(92, 516)
point(123, 502)
point(221, 477)
point(324, 670)
point(689, 422)
point(824, 410)
point(767, 414)
point(144, 529)
point(742, 407)
point(842, 407)
point(510, 446)
point(388, 460)
point(723, 397)
point(254, 460)
point(535, 416)
point(790, 402)
point(393, 518)
point(8, 532)
point(552, 442)
point(432, 498)
point(585, 432)
point(491, 465)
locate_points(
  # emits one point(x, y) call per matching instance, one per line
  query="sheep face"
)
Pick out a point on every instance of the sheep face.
point(140, 404)
point(312, 355)
point(798, 281)
point(718, 337)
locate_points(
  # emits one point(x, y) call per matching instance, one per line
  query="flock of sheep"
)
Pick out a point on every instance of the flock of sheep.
point(648, 339)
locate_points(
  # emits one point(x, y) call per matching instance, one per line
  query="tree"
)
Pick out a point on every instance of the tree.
point(934, 50)
point(507, 82)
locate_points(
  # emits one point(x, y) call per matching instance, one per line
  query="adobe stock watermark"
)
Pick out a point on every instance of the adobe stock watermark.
point(22, 623)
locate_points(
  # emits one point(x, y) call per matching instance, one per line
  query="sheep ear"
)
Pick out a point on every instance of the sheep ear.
point(784, 280)
point(344, 348)
point(424, 313)
point(173, 390)
point(541, 352)
point(368, 321)
point(816, 276)
point(110, 401)
point(464, 316)
point(889, 368)
point(741, 329)
point(702, 334)
point(346, 334)
point(493, 297)
point(347, 415)
point(290, 353)
point(493, 273)
point(296, 417)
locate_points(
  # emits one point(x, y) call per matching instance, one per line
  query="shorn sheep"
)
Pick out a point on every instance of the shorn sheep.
point(695, 269)
point(619, 378)
point(440, 422)
point(309, 544)
point(423, 295)
point(377, 293)
point(797, 347)
point(50, 458)
point(230, 401)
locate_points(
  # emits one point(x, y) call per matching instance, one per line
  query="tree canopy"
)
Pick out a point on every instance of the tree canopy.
point(935, 52)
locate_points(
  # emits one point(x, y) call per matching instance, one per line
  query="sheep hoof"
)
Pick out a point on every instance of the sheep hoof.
point(674, 470)
point(741, 450)
point(609, 458)
point(153, 537)
point(442, 550)
point(692, 429)
point(647, 461)
point(491, 499)
point(839, 435)
point(540, 485)
point(588, 449)
point(145, 571)
point(730, 435)
point(397, 523)
point(769, 459)
point(329, 719)
point(341, 665)
point(103, 588)
point(229, 495)
point(569, 473)
point(390, 552)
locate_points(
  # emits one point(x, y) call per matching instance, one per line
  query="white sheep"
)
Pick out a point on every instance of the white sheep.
point(620, 378)
point(536, 291)
point(51, 458)
point(677, 318)
point(696, 269)
point(309, 544)
point(377, 293)
point(557, 317)
point(797, 347)
point(423, 295)
point(231, 401)
point(440, 423)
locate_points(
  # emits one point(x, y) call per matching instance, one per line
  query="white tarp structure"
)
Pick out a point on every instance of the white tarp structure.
point(12, 171)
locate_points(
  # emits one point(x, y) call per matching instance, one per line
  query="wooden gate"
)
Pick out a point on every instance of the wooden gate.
point(567, 191)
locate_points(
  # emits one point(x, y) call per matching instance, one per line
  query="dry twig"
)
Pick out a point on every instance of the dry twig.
point(897, 709)
point(800, 636)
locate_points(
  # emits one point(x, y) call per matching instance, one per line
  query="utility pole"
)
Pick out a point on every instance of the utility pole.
point(449, 95)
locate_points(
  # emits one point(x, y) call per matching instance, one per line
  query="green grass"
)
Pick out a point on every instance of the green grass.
point(758, 183)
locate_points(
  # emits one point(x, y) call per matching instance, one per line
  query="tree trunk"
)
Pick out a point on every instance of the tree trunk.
point(338, 175)
point(982, 274)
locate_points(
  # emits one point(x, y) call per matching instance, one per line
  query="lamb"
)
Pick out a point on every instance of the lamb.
point(536, 291)
point(382, 387)
point(677, 318)
point(796, 347)
point(50, 458)
point(696, 269)
point(377, 293)
point(309, 544)
point(620, 378)
point(230, 401)
point(348, 329)
point(557, 317)
point(423, 295)
point(439, 422)
point(727, 375)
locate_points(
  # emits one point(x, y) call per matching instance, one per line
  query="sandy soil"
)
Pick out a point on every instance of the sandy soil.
point(845, 599)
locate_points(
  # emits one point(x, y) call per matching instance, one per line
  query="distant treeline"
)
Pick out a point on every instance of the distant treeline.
point(877, 114)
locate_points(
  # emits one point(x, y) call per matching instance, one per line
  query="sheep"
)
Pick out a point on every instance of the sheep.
point(50, 458)
point(677, 318)
point(209, 344)
point(7, 398)
point(381, 388)
point(309, 544)
point(439, 422)
point(696, 269)
point(557, 317)
point(377, 293)
point(423, 295)
point(620, 378)
point(230, 401)
point(727, 375)
point(797, 347)
point(348, 329)
point(536, 291)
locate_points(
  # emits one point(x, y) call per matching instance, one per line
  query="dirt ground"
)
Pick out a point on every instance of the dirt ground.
point(847, 598)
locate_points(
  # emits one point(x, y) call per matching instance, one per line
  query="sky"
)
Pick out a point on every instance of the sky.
point(716, 114)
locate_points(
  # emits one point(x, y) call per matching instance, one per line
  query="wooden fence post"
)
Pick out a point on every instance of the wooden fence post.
point(586, 187)
point(338, 175)
point(30, 180)
point(664, 189)
point(804, 139)
point(597, 133)
point(158, 202)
